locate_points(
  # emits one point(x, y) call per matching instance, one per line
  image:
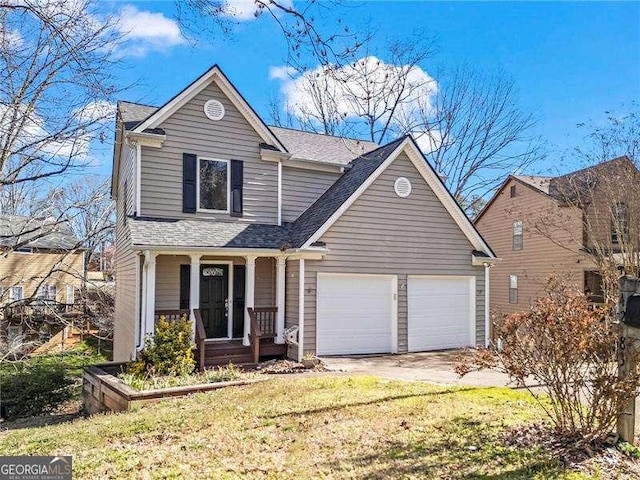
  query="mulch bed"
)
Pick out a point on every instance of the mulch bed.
point(604, 458)
point(274, 367)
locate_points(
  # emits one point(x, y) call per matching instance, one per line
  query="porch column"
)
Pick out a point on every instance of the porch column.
point(150, 297)
point(280, 282)
point(194, 284)
point(249, 293)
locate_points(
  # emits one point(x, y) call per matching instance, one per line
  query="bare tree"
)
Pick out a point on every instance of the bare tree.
point(468, 123)
point(303, 27)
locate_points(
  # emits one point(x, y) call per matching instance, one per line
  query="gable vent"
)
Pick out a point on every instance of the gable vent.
point(402, 187)
point(214, 110)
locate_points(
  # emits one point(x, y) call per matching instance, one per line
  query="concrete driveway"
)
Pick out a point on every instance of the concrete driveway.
point(436, 367)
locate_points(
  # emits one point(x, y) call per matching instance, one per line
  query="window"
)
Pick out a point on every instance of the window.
point(15, 293)
point(46, 292)
point(70, 294)
point(593, 287)
point(213, 187)
point(513, 289)
point(23, 250)
point(619, 223)
point(15, 338)
point(517, 235)
point(513, 191)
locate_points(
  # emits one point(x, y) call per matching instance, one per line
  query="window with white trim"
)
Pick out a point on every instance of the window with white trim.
point(46, 292)
point(513, 289)
point(15, 293)
point(213, 185)
point(517, 235)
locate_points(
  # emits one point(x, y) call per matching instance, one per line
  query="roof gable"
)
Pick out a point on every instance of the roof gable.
point(316, 220)
point(214, 74)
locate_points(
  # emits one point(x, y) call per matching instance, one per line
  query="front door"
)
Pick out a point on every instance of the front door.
point(214, 300)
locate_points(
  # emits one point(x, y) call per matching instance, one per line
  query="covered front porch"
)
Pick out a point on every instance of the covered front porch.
point(236, 301)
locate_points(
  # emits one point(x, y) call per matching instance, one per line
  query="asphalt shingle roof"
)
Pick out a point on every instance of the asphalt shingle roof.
point(35, 233)
point(318, 213)
point(205, 233)
point(321, 148)
point(134, 113)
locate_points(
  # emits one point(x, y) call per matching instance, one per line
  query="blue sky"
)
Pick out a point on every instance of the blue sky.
point(570, 61)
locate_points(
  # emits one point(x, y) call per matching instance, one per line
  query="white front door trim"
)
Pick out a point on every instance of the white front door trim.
point(229, 263)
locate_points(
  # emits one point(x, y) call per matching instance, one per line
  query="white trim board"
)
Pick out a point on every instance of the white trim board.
point(409, 147)
point(214, 74)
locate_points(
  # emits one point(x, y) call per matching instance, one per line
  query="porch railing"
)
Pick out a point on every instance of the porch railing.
point(263, 325)
point(200, 334)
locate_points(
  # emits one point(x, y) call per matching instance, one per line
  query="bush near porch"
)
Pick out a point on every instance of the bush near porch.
point(328, 426)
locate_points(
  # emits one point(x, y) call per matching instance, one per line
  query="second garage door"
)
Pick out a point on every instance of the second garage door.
point(356, 314)
point(441, 312)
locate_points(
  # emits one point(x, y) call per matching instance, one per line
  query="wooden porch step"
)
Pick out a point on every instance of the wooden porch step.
point(222, 353)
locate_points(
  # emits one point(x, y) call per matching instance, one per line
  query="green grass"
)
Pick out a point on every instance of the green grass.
point(314, 427)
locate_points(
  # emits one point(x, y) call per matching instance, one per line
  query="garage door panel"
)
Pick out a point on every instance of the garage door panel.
point(354, 314)
point(440, 312)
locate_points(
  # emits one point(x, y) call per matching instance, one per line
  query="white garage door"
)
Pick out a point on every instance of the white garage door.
point(356, 314)
point(441, 312)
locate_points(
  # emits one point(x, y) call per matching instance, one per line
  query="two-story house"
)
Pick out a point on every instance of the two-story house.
point(354, 247)
point(543, 226)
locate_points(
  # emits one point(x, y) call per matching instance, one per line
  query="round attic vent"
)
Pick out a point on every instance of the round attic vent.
point(402, 187)
point(214, 110)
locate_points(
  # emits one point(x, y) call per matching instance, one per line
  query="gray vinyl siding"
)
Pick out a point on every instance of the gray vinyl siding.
point(126, 314)
point(291, 300)
point(188, 130)
point(168, 279)
point(382, 233)
point(301, 188)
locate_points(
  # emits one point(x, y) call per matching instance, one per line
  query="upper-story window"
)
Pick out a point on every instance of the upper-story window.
point(619, 223)
point(513, 191)
point(213, 185)
point(517, 235)
point(513, 289)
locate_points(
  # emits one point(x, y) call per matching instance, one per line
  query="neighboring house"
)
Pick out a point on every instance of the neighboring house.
point(40, 259)
point(361, 248)
point(542, 226)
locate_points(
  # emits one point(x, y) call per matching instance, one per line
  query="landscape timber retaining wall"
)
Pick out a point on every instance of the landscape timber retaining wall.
point(103, 391)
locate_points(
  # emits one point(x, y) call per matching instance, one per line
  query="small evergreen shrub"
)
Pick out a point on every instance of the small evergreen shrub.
point(168, 352)
point(34, 389)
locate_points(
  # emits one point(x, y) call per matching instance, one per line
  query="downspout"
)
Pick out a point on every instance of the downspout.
point(143, 304)
point(301, 310)
point(487, 322)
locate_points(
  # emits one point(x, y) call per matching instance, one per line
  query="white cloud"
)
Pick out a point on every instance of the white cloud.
point(283, 72)
point(244, 10)
point(145, 31)
point(346, 90)
point(10, 40)
point(96, 111)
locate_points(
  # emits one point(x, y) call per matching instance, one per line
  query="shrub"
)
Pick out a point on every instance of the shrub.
point(571, 347)
point(168, 352)
point(35, 389)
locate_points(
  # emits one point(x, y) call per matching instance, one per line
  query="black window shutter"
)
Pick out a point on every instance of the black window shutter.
point(189, 179)
point(185, 282)
point(236, 188)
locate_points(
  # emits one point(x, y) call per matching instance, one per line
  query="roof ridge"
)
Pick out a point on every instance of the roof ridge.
point(590, 167)
point(137, 103)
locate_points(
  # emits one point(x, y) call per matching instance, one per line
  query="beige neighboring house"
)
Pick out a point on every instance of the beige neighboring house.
point(40, 260)
point(346, 247)
point(536, 232)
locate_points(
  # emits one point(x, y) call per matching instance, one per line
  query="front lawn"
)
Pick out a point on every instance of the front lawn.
point(332, 426)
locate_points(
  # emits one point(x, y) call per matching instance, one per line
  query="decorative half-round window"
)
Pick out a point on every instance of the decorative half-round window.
point(214, 110)
point(402, 187)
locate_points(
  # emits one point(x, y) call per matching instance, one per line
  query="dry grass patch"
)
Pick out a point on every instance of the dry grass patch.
point(329, 426)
